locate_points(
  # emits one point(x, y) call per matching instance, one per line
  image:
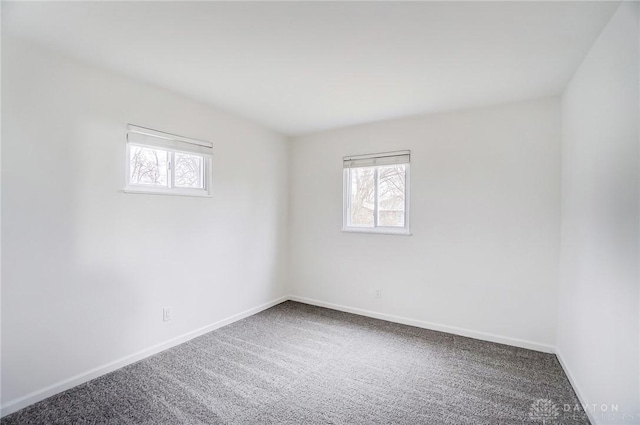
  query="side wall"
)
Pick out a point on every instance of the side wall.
point(483, 257)
point(87, 269)
point(598, 335)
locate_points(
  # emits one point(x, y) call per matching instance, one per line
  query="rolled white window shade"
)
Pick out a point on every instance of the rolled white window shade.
point(386, 158)
point(148, 137)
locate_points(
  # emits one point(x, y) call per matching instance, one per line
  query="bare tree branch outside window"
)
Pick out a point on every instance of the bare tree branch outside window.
point(148, 166)
point(188, 170)
point(391, 193)
point(390, 196)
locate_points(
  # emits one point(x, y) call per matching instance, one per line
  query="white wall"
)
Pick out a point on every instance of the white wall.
point(87, 268)
point(598, 306)
point(485, 221)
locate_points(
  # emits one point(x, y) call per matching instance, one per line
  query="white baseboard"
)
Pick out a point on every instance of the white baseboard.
point(22, 402)
point(429, 325)
point(34, 397)
point(574, 384)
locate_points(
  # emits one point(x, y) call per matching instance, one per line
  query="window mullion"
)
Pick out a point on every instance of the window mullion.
point(375, 197)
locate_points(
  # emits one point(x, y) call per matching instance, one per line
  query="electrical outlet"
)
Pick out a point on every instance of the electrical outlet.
point(167, 314)
point(378, 293)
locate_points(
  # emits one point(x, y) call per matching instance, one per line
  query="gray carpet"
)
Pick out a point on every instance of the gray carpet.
point(298, 364)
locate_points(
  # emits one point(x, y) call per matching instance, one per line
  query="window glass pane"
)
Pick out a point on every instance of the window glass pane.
point(188, 170)
point(148, 166)
point(362, 197)
point(391, 184)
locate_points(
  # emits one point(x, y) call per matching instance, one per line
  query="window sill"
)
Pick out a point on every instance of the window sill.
point(170, 192)
point(378, 231)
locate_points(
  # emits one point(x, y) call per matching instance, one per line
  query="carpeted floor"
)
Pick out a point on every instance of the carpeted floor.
point(298, 364)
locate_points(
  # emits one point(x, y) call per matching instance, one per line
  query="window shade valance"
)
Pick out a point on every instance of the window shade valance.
point(385, 158)
point(148, 137)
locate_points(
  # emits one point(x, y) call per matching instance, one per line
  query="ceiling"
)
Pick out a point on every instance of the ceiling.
point(300, 67)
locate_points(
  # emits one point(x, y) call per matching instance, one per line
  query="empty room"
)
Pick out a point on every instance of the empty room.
point(324, 212)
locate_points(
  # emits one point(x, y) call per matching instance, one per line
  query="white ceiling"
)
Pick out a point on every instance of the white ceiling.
point(302, 67)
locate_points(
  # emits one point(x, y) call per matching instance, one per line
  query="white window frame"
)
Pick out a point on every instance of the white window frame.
point(375, 161)
point(172, 144)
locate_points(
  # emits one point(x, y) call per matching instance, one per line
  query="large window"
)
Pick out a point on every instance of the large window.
point(376, 193)
point(164, 163)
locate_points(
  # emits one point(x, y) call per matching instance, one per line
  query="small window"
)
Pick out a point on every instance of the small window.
point(163, 163)
point(376, 193)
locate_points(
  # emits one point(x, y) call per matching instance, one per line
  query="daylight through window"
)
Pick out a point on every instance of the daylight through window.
point(376, 196)
point(160, 162)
